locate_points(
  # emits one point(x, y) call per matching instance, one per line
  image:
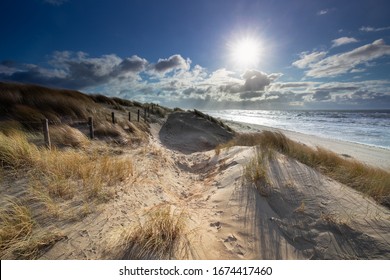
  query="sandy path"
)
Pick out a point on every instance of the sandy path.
point(305, 215)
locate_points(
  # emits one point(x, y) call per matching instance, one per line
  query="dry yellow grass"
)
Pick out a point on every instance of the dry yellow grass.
point(255, 172)
point(371, 181)
point(64, 135)
point(161, 236)
point(20, 235)
point(54, 176)
point(15, 151)
point(50, 188)
point(27, 105)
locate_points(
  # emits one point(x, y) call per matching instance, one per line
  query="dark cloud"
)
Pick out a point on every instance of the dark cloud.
point(133, 64)
point(254, 84)
point(250, 94)
point(340, 88)
point(8, 63)
point(231, 88)
point(256, 80)
point(195, 90)
point(295, 85)
point(174, 62)
point(76, 70)
point(321, 95)
point(34, 75)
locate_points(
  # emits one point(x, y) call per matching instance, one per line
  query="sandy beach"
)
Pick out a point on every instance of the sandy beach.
point(302, 215)
point(375, 156)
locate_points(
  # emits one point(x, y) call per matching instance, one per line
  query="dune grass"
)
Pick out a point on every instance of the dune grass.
point(65, 135)
point(46, 188)
point(86, 174)
point(255, 171)
point(31, 103)
point(162, 235)
point(20, 235)
point(374, 182)
point(23, 106)
point(63, 170)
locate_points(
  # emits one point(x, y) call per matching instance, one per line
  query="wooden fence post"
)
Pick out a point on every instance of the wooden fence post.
point(46, 135)
point(90, 124)
point(113, 117)
point(129, 116)
point(138, 116)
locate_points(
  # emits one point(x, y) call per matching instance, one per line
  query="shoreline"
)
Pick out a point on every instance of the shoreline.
point(370, 155)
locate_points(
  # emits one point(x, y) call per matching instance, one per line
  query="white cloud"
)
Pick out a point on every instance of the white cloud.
point(307, 59)
point(343, 41)
point(344, 62)
point(134, 78)
point(372, 29)
point(323, 12)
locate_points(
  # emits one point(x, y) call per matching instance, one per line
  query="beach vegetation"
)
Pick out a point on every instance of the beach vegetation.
point(255, 172)
point(371, 181)
point(52, 184)
point(162, 235)
point(21, 237)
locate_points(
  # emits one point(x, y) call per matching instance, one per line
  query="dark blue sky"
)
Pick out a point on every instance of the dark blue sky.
point(310, 54)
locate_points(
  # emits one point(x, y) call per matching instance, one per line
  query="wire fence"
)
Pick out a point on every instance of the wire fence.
point(45, 123)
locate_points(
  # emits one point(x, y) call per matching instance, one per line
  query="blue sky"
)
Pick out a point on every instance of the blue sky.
point(309, 54)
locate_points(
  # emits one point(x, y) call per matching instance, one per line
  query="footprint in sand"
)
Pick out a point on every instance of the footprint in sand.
point(230, 238)
point(217, 225)
point(232, 244)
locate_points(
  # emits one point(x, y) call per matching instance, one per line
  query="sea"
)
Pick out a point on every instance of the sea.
point(365, 127)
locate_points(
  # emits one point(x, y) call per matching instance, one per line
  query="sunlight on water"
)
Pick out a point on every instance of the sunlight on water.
point(365, 127)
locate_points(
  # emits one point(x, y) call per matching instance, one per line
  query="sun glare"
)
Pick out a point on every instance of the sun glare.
point(246, 52)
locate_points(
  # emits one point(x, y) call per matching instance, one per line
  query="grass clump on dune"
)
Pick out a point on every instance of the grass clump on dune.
point(52, 184)
point(371, 181)
point(255, 171)
point(20, 236)
point(15, 151)
point(161, 236)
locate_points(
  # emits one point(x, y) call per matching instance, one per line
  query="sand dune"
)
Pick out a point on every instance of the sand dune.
point(303, 214)
point(188, 133)
point(378, 157)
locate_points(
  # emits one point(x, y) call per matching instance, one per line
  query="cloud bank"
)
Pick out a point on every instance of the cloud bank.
point(320, 66)
point(174, 82)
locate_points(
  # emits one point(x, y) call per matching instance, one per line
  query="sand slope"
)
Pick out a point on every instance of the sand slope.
point(304, 215)
point(375, 156)
point(186, 132)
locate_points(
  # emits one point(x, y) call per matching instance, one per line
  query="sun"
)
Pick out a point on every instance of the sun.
point(246, 52)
